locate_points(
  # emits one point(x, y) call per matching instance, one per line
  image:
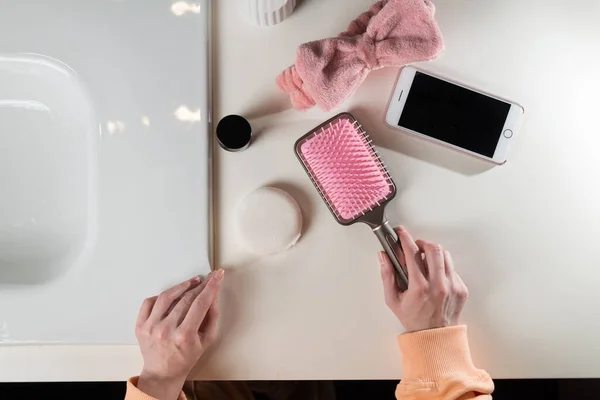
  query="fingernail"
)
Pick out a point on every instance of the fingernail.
point(380, 257)
point(218, 274)
point(195, 279)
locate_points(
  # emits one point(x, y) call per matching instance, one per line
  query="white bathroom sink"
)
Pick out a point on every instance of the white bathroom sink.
point(47, 169)
point(104, 163)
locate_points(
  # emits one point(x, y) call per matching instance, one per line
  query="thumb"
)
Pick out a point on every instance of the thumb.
point(390, 287)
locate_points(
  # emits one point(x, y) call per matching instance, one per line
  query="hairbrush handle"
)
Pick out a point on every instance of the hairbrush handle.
point(391, 244)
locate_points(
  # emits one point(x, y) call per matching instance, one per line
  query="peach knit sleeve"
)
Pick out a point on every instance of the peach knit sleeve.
point(133, 393)
point(437, 365)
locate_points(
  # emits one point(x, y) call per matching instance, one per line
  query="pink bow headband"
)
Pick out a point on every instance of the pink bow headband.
point(391, 33)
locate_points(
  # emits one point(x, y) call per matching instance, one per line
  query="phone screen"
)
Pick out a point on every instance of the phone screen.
point(454, 114)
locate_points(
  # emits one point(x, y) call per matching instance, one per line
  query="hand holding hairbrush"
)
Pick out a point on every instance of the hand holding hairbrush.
point(350, 176)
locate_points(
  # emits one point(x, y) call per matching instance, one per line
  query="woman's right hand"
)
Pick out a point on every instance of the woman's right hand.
point(436, 294)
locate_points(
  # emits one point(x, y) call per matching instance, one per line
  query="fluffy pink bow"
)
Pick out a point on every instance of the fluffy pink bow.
point(391, 33)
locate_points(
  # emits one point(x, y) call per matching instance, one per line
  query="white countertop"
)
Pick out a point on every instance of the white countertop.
point(522, 235)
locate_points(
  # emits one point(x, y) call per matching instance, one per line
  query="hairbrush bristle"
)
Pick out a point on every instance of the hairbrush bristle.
point(346, 169)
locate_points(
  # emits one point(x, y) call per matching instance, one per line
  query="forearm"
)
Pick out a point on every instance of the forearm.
point(437, 365)
point(140, 388)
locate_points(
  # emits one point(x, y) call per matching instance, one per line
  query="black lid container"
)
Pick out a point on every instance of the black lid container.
point(234, 133)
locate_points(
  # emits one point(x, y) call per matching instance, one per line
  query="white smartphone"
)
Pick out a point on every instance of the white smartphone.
point(454, 115)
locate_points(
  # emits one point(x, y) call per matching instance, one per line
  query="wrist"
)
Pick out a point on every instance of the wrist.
point(160, 387)
point(429, 326)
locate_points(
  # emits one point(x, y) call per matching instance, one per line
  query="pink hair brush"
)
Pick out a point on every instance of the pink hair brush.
point(345, 168)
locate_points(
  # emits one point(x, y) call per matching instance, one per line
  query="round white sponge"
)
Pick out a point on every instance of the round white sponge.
point(269, 221)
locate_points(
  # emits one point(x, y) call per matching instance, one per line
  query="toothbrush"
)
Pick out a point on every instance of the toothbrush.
point(346, 170)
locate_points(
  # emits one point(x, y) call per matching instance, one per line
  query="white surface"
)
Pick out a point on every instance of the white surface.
point(402, 92)
point(522, 235)
point(104, 164)
point(266, 12)
point(269, 221)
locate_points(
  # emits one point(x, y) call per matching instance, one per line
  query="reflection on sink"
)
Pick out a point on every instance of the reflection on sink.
point(47, 169)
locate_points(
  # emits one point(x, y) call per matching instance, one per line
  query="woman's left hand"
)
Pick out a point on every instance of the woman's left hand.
point(173, 330)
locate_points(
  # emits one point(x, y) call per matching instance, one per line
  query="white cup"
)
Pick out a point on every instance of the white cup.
point(267, 12)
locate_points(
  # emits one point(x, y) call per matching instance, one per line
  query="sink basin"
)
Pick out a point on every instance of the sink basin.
point(47, 169)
